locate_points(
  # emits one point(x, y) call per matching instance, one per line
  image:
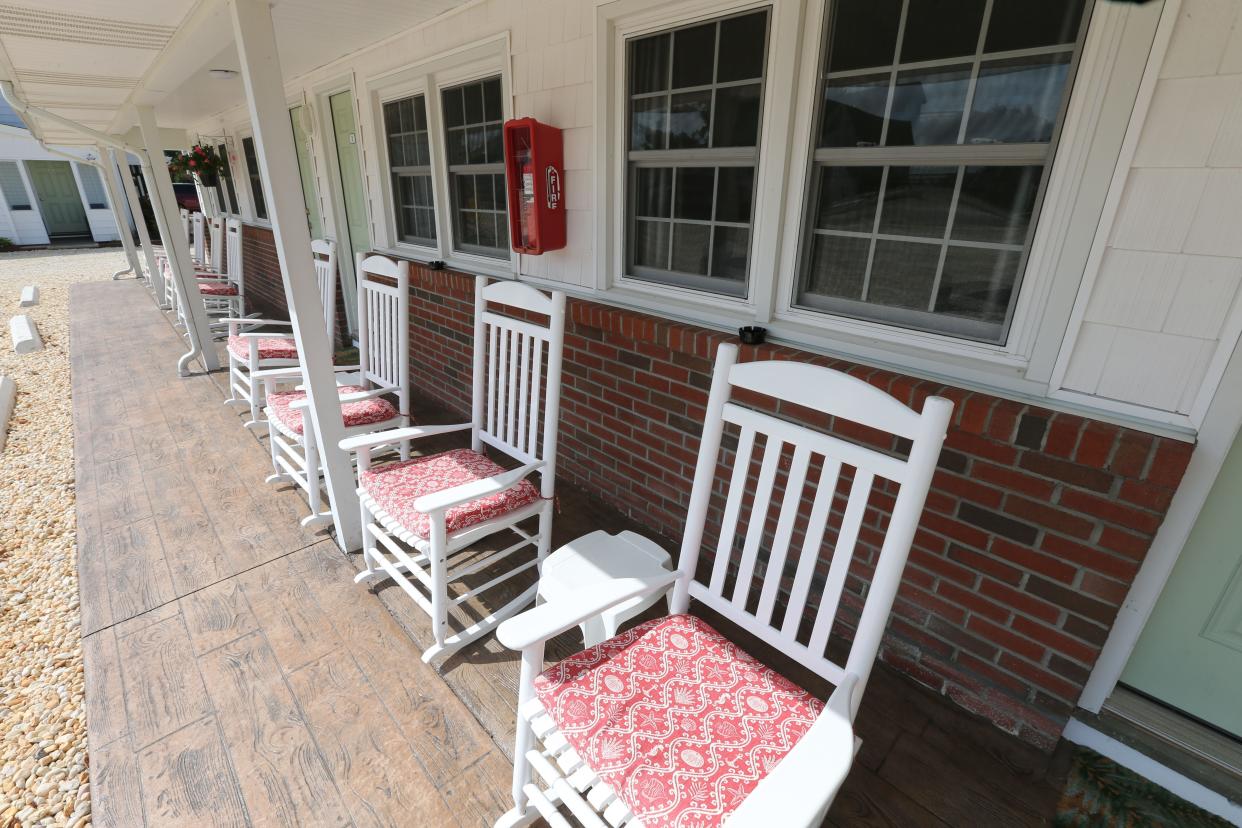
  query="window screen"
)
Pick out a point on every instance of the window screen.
point(473, 114)
point(227, 190)
point(409, 163)
point(92, 187)
point(13, 187)
point(256, 182)
point(694, 96)
point(934, 133)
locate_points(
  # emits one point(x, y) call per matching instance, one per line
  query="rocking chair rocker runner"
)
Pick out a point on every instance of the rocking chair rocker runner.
point(671, 724)
point(251, 352)
point(418, 515)
point(383, 369)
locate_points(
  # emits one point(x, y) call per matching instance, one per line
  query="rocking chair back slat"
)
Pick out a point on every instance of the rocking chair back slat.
point(200, 242)
point(733, 507)
point(772, 508)
point(233, 251)
point(215, 248)
point(383, 325)
point(323, 252)
point(817, 523)
point(516, 408)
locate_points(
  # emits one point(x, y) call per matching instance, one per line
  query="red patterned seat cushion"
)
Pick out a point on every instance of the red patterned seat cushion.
point(395, 487)
point(269, 348)
point(356, 413)
point(677, 719)
point(213, 289)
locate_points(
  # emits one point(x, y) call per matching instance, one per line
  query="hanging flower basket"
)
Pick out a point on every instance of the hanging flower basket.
point(202, 162)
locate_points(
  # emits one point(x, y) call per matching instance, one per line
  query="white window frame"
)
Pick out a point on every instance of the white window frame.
point(1073, 193)
point(628, 19)
point(387, 95)
point(1118, 42)
point(250, 215)
point(475, 61)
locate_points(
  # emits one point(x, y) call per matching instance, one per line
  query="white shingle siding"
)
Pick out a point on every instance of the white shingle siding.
point(1169, 280)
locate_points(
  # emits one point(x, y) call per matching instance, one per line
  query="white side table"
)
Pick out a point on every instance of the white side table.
point(599, 556)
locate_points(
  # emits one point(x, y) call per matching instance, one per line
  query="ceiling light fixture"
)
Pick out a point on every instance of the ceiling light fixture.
point(223, 74)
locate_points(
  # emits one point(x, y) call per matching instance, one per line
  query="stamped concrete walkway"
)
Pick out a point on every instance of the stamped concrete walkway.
point(235, 674)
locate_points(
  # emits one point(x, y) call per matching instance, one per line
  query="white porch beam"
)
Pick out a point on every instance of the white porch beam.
point(176, 246)
point(277, 156)
point(107, 171)
point(119, 162)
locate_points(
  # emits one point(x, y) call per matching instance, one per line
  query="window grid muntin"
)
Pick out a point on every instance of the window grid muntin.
point(456, 171)
point(959, 154)
point(252, 174)
point(698, 157)
point(414, 173)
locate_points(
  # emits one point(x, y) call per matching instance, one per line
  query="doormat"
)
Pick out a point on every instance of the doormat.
point(1100, 793)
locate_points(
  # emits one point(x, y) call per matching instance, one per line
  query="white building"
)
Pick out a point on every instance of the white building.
point(45, 197)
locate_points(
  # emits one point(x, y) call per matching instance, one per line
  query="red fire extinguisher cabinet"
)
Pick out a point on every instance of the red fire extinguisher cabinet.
point(535, 167)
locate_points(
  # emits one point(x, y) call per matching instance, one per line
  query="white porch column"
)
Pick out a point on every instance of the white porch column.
point(120, 164)
point(107, 172)
point(176, 246)
point(277, 156)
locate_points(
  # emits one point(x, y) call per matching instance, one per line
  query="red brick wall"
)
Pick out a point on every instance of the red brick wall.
point(265, 292)
point(1035, 526)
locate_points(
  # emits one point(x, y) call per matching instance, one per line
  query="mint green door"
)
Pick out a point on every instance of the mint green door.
point(353, 232)
point(1190, 653)
point(309, 195)
point(59, 200)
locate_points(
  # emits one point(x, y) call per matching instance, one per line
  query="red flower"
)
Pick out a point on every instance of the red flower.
point(193, 163)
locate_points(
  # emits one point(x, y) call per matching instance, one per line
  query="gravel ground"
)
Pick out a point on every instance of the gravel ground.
point(43, 756)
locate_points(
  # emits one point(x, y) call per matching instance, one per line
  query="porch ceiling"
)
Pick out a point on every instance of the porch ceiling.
point(90, 60)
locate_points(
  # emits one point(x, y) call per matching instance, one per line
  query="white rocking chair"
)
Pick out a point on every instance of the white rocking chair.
point(223, 292)
point(417, 515)
point(383, 369)
point(669, 723)
point(198, 249)
point(251, 352)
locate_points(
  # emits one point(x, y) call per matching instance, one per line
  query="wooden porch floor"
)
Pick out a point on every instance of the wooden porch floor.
point(236, 675)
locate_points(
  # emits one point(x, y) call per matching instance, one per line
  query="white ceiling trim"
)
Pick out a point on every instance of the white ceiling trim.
point(67, 27)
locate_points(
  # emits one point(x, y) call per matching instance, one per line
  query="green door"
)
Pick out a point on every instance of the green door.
point(1190, 653)
point(59, 200)
point(353, 234)
point(311, 198)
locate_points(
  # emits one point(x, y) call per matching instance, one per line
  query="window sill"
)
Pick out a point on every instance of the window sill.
point(968, 366)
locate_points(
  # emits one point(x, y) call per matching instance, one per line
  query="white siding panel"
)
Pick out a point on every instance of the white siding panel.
point(1090, 355)
point(1231, 62)
point(1134, 289)
point(1184, 119)
point(1217, 226)
point(1209, 288)
point(1200, 38)
point(1157, 207)
point(1151, 369)
point(1227, 151)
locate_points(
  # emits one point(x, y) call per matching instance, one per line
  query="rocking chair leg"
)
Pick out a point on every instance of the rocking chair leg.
point(277, 475)
point(439, 580)
point(522, 813)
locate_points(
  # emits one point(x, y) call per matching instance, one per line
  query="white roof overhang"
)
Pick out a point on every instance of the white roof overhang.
point(91, 61)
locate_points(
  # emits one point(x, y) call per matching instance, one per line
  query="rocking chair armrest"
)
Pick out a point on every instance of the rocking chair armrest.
point(221, 280)
point(474, 490)
point(398, 435)
point(552, 618)
point(245, 320)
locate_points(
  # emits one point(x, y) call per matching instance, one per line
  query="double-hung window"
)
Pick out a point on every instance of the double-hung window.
point(934, 135)
point(256, 181)
point(473, 116)
point(694, 96)
point(409, 162)
point(227, 190)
